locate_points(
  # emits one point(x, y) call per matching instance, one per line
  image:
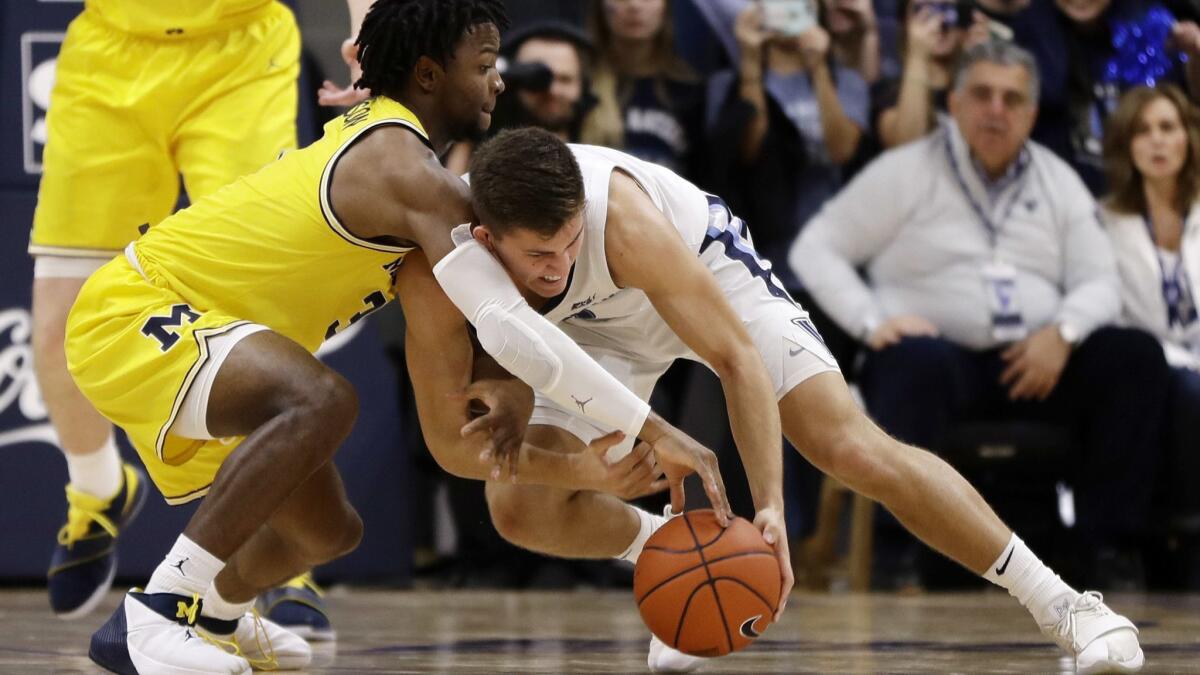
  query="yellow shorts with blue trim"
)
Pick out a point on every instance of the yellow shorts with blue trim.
point(129, 114)
point(134, 348)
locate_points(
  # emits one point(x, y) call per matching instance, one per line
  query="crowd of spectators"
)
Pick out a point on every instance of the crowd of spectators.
point(994, 205)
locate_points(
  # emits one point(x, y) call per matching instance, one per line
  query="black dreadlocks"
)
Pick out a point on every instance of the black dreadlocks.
point(395, 33)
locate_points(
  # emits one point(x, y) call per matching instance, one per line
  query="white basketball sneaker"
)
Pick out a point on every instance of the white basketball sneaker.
point(664, 659)
point(156, 633)
point(1100, 640)
point(263, 643)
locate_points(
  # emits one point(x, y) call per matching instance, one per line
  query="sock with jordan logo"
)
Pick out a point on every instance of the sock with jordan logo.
point(188, 569)
point(1031, 582)
point(647, 524)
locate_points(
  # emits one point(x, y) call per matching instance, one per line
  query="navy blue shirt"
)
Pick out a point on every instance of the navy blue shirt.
point(663, 132)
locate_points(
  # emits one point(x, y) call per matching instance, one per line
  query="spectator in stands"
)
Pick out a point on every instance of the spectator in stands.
point(788, 94)
point(546, 85)
point(558, 104)
point(854, 34)
point(990, 287)
point(1002, 8)
point(1004, 16)
point(935, 35)
point(1152, 153)
point(1095, 49)
point(649, 103)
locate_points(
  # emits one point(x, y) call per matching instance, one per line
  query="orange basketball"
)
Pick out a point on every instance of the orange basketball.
point(704, 590)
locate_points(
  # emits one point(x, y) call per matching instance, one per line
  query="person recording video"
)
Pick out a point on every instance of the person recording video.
point(544, 67)
point(936, 32)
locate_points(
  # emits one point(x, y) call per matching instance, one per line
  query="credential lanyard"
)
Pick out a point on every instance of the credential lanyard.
point(1179, 313)
point(992, 227)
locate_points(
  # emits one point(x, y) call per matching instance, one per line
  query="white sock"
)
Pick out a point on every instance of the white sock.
point(647, 524)
point(219, 608)
point(1031, 582)
point(99, 472)
point(187, 569)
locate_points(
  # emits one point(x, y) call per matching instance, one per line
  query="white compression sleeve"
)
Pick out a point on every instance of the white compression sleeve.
point(529, 346)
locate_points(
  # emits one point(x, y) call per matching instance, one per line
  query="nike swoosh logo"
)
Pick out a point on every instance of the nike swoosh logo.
point(1000, 569)
point(793, 352)
point(747, 629)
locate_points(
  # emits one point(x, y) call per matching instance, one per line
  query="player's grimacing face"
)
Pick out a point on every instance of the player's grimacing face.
point(540, 264)
point(473, 83)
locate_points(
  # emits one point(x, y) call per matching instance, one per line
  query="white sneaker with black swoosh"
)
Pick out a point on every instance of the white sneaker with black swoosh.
point(1100, 640)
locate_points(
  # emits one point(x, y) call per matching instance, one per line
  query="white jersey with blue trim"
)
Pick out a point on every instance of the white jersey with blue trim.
point(595, 311)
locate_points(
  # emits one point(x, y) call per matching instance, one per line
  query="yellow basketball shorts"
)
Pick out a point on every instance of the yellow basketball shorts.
point(134, 349)
point(129, 114)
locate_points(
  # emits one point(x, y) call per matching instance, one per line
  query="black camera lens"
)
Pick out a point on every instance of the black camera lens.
point(528, 75)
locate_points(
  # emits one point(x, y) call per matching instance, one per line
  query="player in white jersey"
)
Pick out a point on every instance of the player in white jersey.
point(652, 269)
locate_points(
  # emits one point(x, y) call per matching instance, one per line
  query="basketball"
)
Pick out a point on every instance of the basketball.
point(704, 590)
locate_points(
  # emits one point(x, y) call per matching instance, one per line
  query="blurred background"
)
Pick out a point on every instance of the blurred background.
point(776, 106)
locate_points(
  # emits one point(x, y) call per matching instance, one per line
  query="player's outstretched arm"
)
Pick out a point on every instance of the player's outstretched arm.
point(440, 365)
point(645, 251)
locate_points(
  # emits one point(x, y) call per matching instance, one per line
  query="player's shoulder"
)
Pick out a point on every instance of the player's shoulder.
point(400, 161)
point(626, 197)
point(632, 222)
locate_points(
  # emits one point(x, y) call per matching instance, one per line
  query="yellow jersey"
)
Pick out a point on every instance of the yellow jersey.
point(269, 248)
point(175, 18)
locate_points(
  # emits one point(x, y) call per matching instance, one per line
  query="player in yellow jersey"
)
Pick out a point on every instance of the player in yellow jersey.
point(198, 340)
point(144, 91)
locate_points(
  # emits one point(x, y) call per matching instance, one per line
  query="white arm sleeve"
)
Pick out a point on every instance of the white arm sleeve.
point(529, 346)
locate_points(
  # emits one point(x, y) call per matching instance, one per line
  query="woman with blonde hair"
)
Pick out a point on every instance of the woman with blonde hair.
point(648, 100)
point(1152, 157)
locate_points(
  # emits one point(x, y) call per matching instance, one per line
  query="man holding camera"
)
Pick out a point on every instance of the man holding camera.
point(546, 74)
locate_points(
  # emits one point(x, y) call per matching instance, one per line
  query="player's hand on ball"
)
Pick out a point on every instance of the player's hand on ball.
point(509, 405)
point(770, 522)
point(634, 475)
point(679, 455)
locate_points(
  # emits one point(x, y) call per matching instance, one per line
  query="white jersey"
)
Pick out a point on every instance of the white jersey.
point(619, 327)
point(593, 310)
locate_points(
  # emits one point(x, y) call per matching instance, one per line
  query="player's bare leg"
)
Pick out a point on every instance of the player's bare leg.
point(103, 494)
point(547, 519)
point(315, 524)
point(941, 508)
point(81, 430)
point(925, 493)
point(294, 412)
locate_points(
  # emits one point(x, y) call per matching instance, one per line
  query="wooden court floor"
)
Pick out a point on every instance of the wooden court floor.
point(600, 632)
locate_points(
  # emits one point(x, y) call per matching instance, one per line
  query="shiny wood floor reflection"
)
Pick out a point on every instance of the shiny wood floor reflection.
point(493, 632)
